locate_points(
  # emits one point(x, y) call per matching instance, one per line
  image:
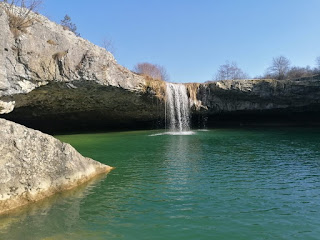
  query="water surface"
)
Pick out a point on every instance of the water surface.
point(216, 184)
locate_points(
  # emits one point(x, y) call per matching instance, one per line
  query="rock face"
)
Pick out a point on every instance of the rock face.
point(47, 74)
point(53, 81)
point(267, 101)
point(34, 165)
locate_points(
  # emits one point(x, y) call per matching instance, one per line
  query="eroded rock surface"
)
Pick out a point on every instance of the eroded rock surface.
point(52, 80)
point(34, 165)
point(249, 101)
point(46, 52)
point(47, 71)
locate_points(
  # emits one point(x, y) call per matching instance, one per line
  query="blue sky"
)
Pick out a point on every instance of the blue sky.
point(191, 39)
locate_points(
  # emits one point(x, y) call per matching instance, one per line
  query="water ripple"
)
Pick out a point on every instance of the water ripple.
point(218, 184)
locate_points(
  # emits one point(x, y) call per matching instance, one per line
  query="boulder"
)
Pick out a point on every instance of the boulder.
point(34, 165)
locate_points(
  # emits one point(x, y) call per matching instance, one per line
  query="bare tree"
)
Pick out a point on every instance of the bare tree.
point(297, 72)
point(20, 18)
point(69, 25)
point(152, 70)
point(318, 63)
point(230, 71)
point(301, 72)
point(29, 5)
point(279, 68)
point(108, 44)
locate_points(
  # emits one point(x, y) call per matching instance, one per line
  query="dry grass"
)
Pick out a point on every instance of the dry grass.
point(20, 18)
point(104, 68)
point(59, 55)
point(66, 28)
point(192, 89)
point(157, 86)
point(18, 24)
point(52, 42)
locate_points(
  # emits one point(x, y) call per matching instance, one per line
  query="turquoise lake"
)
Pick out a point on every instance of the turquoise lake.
point(261, 183)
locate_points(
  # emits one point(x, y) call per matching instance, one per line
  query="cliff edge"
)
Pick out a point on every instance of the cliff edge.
point(265, 101)
point(51, 77)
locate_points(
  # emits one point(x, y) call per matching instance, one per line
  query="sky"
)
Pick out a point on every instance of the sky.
point(192, 38)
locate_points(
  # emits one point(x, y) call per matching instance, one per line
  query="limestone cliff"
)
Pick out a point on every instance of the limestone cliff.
point(49, 74)
point(294, 101)
point(52, 80)
point(34, 165)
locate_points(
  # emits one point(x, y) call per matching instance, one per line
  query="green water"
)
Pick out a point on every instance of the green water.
point(218, 184)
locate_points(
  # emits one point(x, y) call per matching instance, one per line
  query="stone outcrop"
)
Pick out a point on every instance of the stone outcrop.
point(268, 101)
point(48, 74)
point(52, 80)
point(45, 52)
point(34, 165)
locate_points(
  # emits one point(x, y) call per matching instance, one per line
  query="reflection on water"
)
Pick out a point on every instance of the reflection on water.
point(217, 184)
point(181, 155)
point(59, 213)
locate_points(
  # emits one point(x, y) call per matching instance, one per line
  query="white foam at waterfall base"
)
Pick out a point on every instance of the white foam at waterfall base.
point(173, 133)
point(177, 109)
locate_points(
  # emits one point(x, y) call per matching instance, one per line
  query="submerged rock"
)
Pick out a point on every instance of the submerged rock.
point(34, 165)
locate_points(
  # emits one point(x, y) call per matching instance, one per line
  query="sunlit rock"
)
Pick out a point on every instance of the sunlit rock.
point(34, 165)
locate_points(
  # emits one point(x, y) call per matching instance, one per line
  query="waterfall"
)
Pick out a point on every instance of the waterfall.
point(177, 107)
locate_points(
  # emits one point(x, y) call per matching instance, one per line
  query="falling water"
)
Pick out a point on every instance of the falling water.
point(178, 107)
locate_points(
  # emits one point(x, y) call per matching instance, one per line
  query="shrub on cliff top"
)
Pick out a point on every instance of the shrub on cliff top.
point(67, 24)
point(230, 71)
point(152, 70)
point(20, 17)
